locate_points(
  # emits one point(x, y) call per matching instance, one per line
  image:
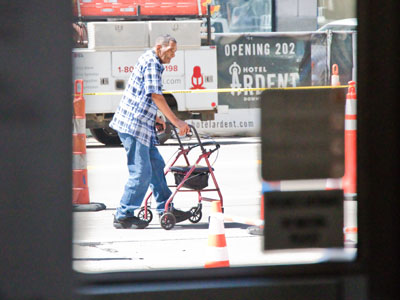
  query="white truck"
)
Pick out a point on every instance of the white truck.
point(106, 60)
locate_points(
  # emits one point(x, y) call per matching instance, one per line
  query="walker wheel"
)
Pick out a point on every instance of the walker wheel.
point(196, 215)
point(141, 215)
point(168, 221)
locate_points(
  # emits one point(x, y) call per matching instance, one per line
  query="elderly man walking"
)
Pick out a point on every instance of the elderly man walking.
point(135, 120)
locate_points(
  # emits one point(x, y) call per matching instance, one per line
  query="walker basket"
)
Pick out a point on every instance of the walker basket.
point(198, 180)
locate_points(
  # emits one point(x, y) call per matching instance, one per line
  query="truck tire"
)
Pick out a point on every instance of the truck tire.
point(106, 136)
point(109, 136)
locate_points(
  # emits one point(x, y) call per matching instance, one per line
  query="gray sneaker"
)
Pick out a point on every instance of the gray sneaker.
point(129, 223)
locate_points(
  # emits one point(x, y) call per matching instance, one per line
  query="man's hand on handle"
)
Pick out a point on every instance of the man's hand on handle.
point(162, 105)
point(183, 127)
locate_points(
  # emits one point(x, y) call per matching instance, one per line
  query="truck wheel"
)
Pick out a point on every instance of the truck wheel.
point(165, 135)
point(107, 136)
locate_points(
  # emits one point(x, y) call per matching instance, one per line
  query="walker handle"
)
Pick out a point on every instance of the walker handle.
point(213, 143)
point(193, 130)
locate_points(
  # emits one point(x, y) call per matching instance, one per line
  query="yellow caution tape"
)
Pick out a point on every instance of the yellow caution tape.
point(225, 90)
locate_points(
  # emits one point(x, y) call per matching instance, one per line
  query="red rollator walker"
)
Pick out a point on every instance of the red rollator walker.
point(188, 178)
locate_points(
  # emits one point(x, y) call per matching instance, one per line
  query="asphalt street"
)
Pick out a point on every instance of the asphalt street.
point(99, 247)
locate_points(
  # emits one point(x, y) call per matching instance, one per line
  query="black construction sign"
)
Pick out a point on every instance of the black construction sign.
point(302, 134)
point(259, 61)
point(303, 219)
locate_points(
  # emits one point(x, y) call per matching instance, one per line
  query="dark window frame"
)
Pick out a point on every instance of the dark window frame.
point(36, 259)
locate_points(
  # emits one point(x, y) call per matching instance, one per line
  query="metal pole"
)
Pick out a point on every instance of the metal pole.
point(354, 40)
point(138, 12)
point(329, 37)
point(79, 9)
point(208, 24)
point(199, 7)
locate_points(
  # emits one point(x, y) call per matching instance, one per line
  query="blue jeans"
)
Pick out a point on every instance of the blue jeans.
point(146, 168)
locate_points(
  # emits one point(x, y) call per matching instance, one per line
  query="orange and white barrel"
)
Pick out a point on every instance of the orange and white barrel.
point(80, 189)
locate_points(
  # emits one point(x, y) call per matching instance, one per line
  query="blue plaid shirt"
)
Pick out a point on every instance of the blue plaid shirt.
point(136, 112)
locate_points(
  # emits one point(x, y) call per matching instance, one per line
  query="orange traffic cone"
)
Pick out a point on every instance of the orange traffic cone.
point(217, 250)
point(335, 75)
point(350, 143)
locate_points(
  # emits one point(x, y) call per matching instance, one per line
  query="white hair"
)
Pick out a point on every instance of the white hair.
point(164, 40)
